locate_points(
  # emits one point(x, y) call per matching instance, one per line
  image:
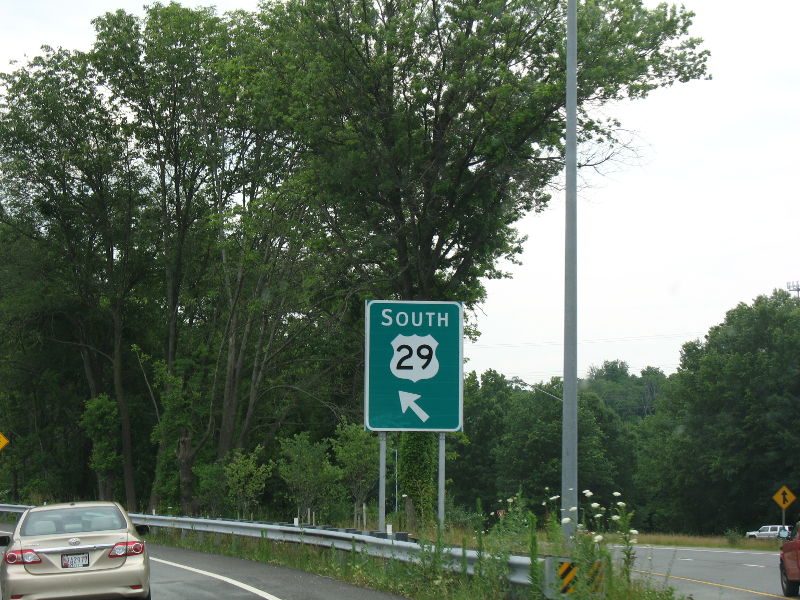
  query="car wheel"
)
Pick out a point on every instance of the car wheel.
point(789, 587)
point(752, 537)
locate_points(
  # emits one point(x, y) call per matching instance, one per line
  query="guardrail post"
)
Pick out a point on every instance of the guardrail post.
point(562, 575)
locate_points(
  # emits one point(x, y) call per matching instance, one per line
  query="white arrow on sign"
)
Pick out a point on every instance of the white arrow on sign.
point(409, 400)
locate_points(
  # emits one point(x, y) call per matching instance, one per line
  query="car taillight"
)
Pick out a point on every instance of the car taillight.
point(26, 557)
point(126, 549)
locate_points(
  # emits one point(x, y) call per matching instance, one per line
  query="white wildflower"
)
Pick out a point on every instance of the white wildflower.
point(573, 509)
point(588, 493)
point(598, 516)
point(566, 520)
point(597, 539)
point(595, 505)
point(634, 541)
point(633, 532)
point(615, 518)
point(621, 504)
point(554, 498)
point(510, 500)
point(616, 494)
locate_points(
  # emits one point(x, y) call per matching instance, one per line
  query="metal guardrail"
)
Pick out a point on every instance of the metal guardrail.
point(454, 559)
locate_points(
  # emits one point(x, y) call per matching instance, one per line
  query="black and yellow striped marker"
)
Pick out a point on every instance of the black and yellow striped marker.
point(568, 570)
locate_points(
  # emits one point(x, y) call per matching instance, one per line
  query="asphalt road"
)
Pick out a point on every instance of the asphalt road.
point(187, 575)
point(711, 574)
point(177, 574)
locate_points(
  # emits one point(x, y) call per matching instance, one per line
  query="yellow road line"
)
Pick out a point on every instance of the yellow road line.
point(719, 585)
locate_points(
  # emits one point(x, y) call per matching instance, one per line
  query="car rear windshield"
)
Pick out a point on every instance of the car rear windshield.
point(73, 520)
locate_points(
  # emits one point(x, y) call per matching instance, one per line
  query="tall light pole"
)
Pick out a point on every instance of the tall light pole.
point(569, 450)
point(794, 286)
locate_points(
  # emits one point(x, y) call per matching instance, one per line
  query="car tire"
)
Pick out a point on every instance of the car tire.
point(789, 587)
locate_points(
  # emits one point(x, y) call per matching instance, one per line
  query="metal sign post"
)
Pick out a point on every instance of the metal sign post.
point(569, 449)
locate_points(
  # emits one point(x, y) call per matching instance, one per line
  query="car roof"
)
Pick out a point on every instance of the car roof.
point(81, 504)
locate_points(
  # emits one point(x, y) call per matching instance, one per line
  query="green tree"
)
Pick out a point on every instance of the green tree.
point(417, 454)
point(527, 453)
point(630, 396)
point(159, 69)
point(308, 473)
point(100, 421)
point(473, 468)
point(246, 477)
point(431, 128)
point(71, 178)
point(719, 435)
point(357, 455)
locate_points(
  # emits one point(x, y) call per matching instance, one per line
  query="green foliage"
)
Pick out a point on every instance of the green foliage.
point(701, 447)
point(357, 455)
point(308, 473)
point(485, 402)
point(100, 421)
point(246, 478)
point(417, 472)
point(631, 397)
point(733, 537)
point(213, 498)
point(220, 193)
point(536, 574)
point(457, 110)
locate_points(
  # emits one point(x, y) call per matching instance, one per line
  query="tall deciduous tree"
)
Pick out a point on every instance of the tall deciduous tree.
point(722, 435)
point(71, 171)
point(432, 127)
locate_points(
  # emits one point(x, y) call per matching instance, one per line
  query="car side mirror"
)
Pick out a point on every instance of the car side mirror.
point(5, 540)
point(142, 529)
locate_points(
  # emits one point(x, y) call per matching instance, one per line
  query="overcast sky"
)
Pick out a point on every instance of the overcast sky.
point(705, 218)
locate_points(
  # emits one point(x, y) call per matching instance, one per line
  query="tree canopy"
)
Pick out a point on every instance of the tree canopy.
point(193, 212)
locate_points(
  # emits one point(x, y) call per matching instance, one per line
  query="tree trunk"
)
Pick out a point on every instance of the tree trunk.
point(124, 414)
point(230, 400)
point(155, 496)
point(185, 456)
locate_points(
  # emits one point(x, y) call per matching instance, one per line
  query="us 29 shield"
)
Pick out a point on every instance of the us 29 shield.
point(414, 357)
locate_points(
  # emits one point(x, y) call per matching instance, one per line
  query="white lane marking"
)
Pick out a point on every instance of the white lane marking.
point(759, 566)
point(685, 559)
point(709, 550)
point(239, 584)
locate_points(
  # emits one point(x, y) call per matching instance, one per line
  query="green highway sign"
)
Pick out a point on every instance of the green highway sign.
point(413, 372)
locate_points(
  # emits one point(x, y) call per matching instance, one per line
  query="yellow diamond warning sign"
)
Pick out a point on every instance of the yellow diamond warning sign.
point(784, 497)
point(3, 441)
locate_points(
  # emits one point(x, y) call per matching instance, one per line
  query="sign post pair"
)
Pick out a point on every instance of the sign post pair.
point(413, 375)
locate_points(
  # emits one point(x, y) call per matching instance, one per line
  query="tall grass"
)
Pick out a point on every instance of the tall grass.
point(515, 531)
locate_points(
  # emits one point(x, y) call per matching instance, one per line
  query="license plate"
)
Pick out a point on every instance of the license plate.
point(72, 561)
